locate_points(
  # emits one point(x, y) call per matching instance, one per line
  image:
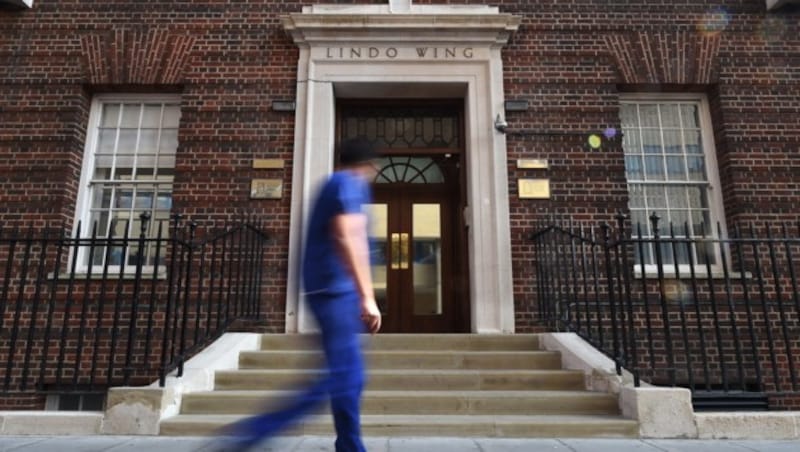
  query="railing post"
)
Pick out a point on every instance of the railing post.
point(663, 299)
point(186, 293)
point(173, 239)
point(60, 239)
point(144, 219)
point(622, 242)
point(612, 303)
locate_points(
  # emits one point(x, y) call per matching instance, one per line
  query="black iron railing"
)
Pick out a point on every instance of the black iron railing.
point(717, 313)
point(83, 312)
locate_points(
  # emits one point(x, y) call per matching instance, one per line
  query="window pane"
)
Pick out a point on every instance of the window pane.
point(103, 167)
point(697, 197)
point(651, 141)
point(672, 142)
point(639, 220)
point(165, 170)
point(697, 168)
point(654, 168)
point(164, 200)
point(151, 116)
point(628, 116)
point(670, 116)
point(656, 197)
point(144, 199)
point(689, 116)
point(130, 115)
point(148, 141)
point(675, 168)
point(169, 141)
point(127, 141)
point(110, 115)
point(693, 143)
point(636, 200)
point(631, 142)
point(680, 219)
point(172, 116)
point(102, 198)
point(124, 199)
point(100, 217)
point(106, 140)
point(125, 173)
point(676, 197)
point(648, 114)
point(634, 167)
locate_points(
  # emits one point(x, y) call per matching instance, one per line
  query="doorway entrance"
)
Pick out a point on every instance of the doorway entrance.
point(417, 231)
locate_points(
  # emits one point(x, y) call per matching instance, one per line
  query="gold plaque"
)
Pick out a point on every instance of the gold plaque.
point(266, 189)
point(532, 163)
point(267, 163)
point(534, 188)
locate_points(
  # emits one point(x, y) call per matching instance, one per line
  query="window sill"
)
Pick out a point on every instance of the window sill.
point(698, 274)
point(127, 276)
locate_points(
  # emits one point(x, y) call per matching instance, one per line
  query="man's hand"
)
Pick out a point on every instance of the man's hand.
point(371, 315)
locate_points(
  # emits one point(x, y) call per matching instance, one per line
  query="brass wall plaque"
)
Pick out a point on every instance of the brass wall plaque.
point(534, 188)
point(266, 189)
point(267, 163)
point(532, 163)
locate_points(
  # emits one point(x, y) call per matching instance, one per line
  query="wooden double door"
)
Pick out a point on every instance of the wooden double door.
point(418, 235)
point(416, 232)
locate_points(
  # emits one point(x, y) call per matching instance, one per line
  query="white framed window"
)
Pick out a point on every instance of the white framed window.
point(671, 169)
point(128, 169)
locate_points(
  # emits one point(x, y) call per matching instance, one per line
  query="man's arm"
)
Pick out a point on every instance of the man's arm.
point(350, 234)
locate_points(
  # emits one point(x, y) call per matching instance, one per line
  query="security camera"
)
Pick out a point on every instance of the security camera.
point(500, 124)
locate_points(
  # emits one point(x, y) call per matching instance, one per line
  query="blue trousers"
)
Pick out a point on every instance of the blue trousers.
point(338, 316)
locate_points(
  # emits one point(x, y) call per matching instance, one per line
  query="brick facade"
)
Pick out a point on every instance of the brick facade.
point(570, 60)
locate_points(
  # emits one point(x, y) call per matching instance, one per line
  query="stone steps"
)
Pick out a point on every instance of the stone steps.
point(401, 402)
point(408, 359)
point(530, 426)
point(418, 385)
point(409, 379)
point(463, 342)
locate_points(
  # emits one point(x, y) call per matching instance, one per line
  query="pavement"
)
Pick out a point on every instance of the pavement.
point(325, 444)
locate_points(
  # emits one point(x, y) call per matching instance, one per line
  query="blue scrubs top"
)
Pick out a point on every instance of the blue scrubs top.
point(323, 268)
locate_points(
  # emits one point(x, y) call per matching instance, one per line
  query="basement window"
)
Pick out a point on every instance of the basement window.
point(78, 401)
point(775, 4)
point(17, 3)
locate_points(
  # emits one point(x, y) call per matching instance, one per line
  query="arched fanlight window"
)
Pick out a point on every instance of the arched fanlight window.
point(409, 170)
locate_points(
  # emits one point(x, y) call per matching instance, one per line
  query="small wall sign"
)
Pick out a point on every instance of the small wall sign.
point(266, 189)
point(532, 163)
point(534, 188)
point(267, 163)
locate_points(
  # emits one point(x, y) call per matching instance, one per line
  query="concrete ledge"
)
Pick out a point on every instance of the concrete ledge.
point(50, 423)
point(661, 412)
point(749, 425)
point(139, 410)
point(577, 354)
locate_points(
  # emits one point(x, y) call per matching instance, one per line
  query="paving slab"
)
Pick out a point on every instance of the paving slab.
point(608, 445)
point(383, 444)
point(667, 445)
point(433, 444)
point(521, 445)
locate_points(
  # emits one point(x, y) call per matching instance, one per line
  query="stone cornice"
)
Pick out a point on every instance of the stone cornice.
point(490, 26)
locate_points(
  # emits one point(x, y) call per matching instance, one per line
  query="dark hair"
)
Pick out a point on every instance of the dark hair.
point(355, 151)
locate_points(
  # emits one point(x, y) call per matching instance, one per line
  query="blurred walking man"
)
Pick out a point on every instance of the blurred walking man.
point(338, 287)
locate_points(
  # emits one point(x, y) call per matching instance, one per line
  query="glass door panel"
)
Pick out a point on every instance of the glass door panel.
point(426, 253)
point(378, 251)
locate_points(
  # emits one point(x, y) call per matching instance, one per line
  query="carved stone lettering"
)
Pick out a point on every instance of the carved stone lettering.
point(421, 52)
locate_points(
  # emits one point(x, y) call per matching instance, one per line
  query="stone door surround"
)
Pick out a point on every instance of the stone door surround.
point(426, 51)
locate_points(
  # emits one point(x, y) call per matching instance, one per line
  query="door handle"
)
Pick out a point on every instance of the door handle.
point(395, 251)
point(404, 251)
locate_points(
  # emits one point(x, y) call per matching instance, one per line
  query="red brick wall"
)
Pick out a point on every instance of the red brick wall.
point(570, 60)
